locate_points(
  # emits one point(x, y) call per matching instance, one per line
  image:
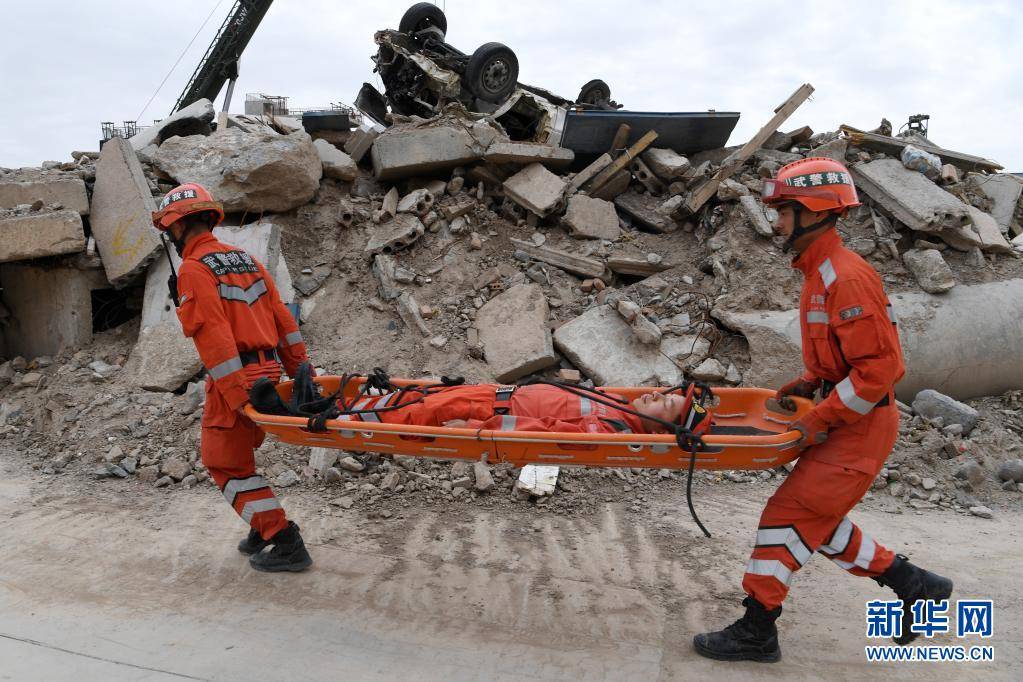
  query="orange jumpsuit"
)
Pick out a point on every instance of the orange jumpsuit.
point(492, 407)
point(232, 311)
point(851, 343)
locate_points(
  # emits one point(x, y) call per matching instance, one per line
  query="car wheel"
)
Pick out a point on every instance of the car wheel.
point(421, 16)
point(594, 92)
point(492, 72)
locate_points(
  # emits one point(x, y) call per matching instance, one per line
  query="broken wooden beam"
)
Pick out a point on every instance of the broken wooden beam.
point(894, 147)
point(636, 267)
point(623, 161)
point(578, 265)
point(705, 190)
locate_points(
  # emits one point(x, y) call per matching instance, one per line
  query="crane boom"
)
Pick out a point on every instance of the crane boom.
point(220, 63)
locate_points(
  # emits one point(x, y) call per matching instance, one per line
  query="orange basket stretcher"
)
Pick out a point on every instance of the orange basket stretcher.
point(748, 433)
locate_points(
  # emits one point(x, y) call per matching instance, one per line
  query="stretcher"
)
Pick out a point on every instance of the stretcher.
point(750, 431)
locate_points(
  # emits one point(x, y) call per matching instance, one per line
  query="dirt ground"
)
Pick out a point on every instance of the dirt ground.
point(116, 580)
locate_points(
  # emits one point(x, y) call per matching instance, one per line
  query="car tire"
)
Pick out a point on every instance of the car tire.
point(492, 72)
point(594, 92)
point(423, 15)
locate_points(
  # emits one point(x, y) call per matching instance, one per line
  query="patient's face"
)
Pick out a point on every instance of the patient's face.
point(658, 405)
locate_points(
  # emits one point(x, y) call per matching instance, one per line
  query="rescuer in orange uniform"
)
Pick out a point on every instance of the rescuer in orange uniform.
point(536, 407)
point(229, 306)
point(852, 355)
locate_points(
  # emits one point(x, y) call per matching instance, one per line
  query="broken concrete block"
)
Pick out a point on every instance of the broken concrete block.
point(642, 173)
point(589, 218)
point(930, 270)
point(603, 346)
point(121, 215)
point(835, 149)
point(755, 212)
point(644, 210)
point(667, 164)
point(194, 119)
point(336, 164)
point(1004, 190)
point(394, 235)
point(163, 358)
point(418, 201)
point(524, 153)
point(983, 233)
point(514, 333)
point(410, 313)
point(49, 308)
point(405, 151)
point(537, 480)
point(909, 196)
point(67, 191)
point(361, 140)
point(932, 404)
point(710, 369)
point(646, 331)
point(37, 235)
point(245, 171)
point(388, 207)
point(536, 189)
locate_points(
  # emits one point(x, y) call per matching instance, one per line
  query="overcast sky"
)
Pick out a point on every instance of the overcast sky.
point(68, 65)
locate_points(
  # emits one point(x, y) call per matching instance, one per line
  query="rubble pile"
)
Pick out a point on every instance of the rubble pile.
point(443, 246)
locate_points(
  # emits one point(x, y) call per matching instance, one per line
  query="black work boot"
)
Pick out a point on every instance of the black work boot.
point(253, 543)
point(287, 552)
point(911, 584)
point(753, 637)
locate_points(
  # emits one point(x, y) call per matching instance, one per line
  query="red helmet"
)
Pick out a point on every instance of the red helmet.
point(818, 183)
point(183, 201)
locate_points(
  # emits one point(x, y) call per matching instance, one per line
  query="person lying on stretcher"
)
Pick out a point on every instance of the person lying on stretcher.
point(536, 407)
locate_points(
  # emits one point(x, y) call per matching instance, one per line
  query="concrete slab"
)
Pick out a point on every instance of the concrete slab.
point(601, 344)
point(909, 196)
point(666, 164)
point(194, 119)
point(983, 233)
point(524, 153)
point(1004, 190)
point(68, 191)
point(163, 358)
point(402, 152)
point(37, 235)
point(589, 218)
point(514, 333)
point(50, 308)
point(122, 208)
point(536, 189)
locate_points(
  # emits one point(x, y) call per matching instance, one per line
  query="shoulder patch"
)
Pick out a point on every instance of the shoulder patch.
point(850, 313)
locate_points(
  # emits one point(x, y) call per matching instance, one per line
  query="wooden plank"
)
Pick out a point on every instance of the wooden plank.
point(587, 174)
point(894, 147)
point(699, 196)
point(637, 267)
point(622, 161)
point(579, 265)
point(621, 138)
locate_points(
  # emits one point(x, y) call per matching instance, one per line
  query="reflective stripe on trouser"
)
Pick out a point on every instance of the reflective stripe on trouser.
point(806, 514)
point(229, 456)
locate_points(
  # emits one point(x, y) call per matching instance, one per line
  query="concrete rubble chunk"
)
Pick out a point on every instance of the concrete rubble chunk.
point(835, 149)
point(194, 119)
point(37, 235)
point(537, 480)
point(121, 213)
point(246, 172)
point(483, 479)
point(396, 234)
point(361, 140)
point(163, 358)
point(388, 207)
point(589, 218)
point(418, 201)
point(321, 459)
point(644, 210)
point(982, 233)
point(646, 331)
point(523, 153)
point(932, 404)
point(710, 369)
point(756, 212)
point(1004, 190)
point(336, 164)
point(666, 164)
point(1011, 470)
point(536, 189)
point(407, 151)
point(909, 196)
point(601, 344)
point(931, 271)
point(514, 333)
point(68, 192)
point(569, 262)
point(410, 313)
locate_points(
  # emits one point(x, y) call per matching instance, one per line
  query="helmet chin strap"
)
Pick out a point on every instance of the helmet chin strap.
point(798, 230)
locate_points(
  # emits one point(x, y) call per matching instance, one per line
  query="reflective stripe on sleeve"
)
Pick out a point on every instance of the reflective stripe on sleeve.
point(847, 394)
point(249, 296)
point(827, 271)
point(252, 508)
point(293, 338)
point(370, 417)
point(891, 314)
point(785, 537)
point(226, 367)
point(771, 568)
point(243, 485)
point(839, 539)
point(585, 407)
point(508, 422)
point(817, 317)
